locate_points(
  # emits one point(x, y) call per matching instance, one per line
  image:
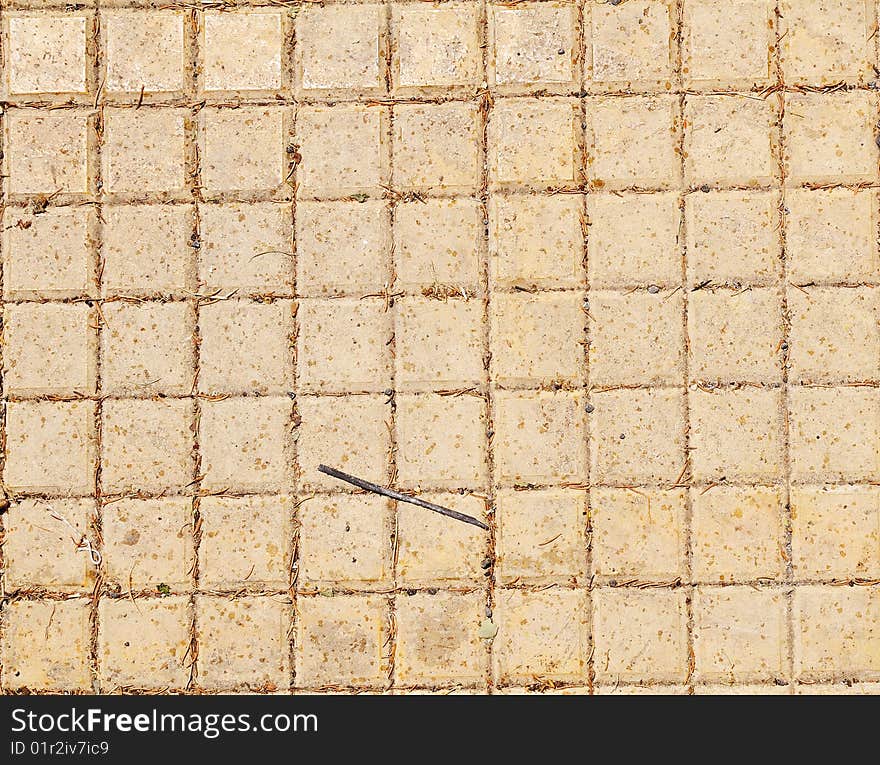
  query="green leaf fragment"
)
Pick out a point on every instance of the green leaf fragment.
point(488, 629)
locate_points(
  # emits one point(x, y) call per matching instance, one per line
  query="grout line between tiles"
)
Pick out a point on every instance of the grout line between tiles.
point(485, 289)
point(687, 472)
point(291, 158)
point(96, 74)
point(786, 344)
point(192, 43)
point(584, 62)
point(4, 495)
point(387, 37)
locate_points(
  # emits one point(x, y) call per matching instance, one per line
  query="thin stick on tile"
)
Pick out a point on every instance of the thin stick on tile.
point(391, 494)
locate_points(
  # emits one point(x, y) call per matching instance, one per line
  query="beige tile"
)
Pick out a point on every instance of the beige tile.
point(342, 248)
point(735, 335)
point(438, 344)
point(246, 247)
point(636, 338)
point(437, 242)
point(835, 532)
point(243, 148)
point(47, 52)
point(432, 552)
point(639, 533)
point(48, 255)
point(46, 645)
point(438, 639)
point(830, 235)
point(733, 237)
point(344, 542)
point(144, 644)
point(341, 641)
point(740, 634)
point(338, 47)
point(435, 147)
point(541, 536)
point(46, 151)
point(633, 142)
point(829, 137)
point(343, 345)
point(737, 46)
point(541, 635)
point(351, 433)
point(640, 635)
point(146, 445)
point(144, 49)
point(633, 239)
point(737, 534)
point(148, 542)
point(729, 140)
point(49, 348)
point(540, 437)
point(741, 689)
point(846, 688)
point(533, 43)
point(41, 551)
point(246, 541)
point(244, 443)
point(736, 434)
point(537, 338)
point(50, 446)
point(835, 334)
point(341, 150)
point(631, 43)
point(242, 50)
point(835, 632)
point(147, 348)
point(620, 689)
point(441, 441)
point(825, 42)
point(147, 249)
point(436, 46)
point(144, 152)
point(246, 347)
point(835, 433)
point(536, 241)
point(637, 435)
point(533, 141)
point(243, 642)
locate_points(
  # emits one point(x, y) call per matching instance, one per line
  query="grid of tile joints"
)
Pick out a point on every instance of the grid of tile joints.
point(607, 231)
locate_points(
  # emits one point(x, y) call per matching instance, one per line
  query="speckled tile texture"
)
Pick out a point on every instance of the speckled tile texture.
point(603, 274)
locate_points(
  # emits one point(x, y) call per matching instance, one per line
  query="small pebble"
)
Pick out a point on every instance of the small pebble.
point(561, 51)
point(622, 436)
point(653, 289)
point(590, 408)
point(705, 188)
point(486, 563)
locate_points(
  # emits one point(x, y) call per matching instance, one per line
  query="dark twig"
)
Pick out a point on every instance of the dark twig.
point(391, 494)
